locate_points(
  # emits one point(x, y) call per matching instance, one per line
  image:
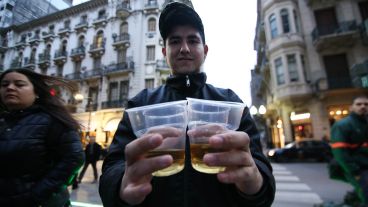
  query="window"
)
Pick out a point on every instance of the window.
point(279, 71)
point(101, 14)
point(292, 66)
point(77, 66)
point(150, 56)
point(51, 28)
point(67, 24)
point(124, 90)
point(296, 21)
point(122, 55)
point(97, 63)
point(152, 25)
point(285, 20)
point(113, 92)
point(273, 26)
point(84, 19)
point(149, 83)
point(99, 41)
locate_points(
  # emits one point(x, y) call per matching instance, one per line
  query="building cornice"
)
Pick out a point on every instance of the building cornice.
point(80, 8)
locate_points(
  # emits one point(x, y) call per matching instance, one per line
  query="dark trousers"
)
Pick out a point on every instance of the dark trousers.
point(93, 163)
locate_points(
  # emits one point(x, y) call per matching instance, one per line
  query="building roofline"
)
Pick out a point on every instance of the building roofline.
point(77, 9)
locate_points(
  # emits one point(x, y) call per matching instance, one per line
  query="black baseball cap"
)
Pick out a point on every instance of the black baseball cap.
point(177, 13)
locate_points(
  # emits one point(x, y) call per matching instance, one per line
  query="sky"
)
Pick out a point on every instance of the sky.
point(230, 30)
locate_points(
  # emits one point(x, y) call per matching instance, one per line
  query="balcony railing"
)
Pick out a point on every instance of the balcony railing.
point(93, 73)
point(162, 64)
point(60, 54)
point(151, 7)
point(341, 28)
point(74, 76)
point(78, 53)
point(339, 83)
point(64, 31)
point(15, 64)
point(114, 104)
point(120, 67)
point(123, 37)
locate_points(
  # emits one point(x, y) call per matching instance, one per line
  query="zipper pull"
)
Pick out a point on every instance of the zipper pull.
point(187, 80)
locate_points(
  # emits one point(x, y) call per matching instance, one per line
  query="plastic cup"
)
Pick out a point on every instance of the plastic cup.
point(208, 118)
point(160, 118)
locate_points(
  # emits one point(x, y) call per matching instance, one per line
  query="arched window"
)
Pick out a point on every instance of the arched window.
point(101, 14)
point(33, 55)
point(99, 39)
point(152, 25)
point(273, 26)
point(285, 20)
point(63, 47)
point(81, 41)
point(48, 50)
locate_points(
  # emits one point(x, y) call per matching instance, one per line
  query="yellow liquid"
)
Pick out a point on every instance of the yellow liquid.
point(177, 166)
point(197, 151)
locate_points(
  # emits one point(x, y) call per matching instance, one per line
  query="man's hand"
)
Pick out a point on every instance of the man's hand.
point(136, 182)
point(234, 154)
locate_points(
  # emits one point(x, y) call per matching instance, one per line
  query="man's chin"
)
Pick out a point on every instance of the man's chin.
point(185, 71)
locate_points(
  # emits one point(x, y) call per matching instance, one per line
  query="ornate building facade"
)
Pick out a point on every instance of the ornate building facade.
point(312, 57)
point(108, 49)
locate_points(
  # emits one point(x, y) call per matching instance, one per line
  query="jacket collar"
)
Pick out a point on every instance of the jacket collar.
point(187, 83)
point(360, 118)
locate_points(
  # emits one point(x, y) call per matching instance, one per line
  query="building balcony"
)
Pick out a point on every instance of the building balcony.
point(74, 76)
point(359, 75)
point(333, 83)
point(77, 54)
point(114, 104)
point(34, 41)
point(48, 36)
point(81, 27)
point(119, 69)
point(97, 49)
point(64, 32)
point(100, 21)
point(343, 35)
point(20, 45)
point(44, 60)
point(29, 63)
point(151, 8)
point(60, 57)
point(123, 10)
point(161, 65)
point(15, 64)
point(121, 41)
point(93, 74)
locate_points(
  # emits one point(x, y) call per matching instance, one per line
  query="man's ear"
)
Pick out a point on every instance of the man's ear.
point(164, 51)
point(205, 51)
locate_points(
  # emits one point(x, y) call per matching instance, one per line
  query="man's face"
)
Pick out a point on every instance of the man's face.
point(360, 106)
point(184, 50)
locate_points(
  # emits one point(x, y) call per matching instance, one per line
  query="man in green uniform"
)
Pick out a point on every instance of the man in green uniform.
point(349, 142)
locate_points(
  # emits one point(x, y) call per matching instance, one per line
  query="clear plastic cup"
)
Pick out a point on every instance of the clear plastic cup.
point(160, 118)
point(208, 118)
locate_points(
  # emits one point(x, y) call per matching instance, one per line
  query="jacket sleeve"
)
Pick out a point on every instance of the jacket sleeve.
point(266, 195)
point(67, 154)
point(114, 165)
point(340, 133)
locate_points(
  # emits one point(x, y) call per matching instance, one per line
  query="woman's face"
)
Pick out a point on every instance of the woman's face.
point(16, 91)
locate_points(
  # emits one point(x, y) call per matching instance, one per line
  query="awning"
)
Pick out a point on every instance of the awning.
point(112, 125)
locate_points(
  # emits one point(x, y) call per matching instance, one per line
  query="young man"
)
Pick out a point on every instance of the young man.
point(93, 152)
point(349, 142)
point(126, 178)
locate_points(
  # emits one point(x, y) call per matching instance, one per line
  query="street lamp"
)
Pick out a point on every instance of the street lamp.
point(261, 110)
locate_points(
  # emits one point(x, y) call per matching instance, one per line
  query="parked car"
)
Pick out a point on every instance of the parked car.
point(302, 151)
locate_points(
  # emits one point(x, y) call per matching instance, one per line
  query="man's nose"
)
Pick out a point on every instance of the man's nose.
point(184, 48)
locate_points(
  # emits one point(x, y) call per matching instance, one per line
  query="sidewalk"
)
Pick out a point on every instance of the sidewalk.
point(86, 195)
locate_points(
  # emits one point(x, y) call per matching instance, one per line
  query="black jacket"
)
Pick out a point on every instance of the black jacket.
point(96, 152)
point(188, 188)
point(38, 156)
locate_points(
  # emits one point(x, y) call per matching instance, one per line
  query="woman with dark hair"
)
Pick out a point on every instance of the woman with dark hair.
point(40, 150)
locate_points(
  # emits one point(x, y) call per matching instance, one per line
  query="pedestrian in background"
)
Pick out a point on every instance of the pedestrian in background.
point(93, 153)
point(349, 142)
point(126, 178)
point(40, 150)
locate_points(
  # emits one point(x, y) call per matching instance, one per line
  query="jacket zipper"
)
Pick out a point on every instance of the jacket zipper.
point(187, 81)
